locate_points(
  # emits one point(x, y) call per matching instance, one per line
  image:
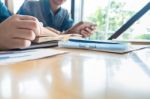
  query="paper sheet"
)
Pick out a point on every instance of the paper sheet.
point(7, 57)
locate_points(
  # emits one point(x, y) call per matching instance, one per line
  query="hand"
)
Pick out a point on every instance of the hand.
point(83, 28)
point(18, 31)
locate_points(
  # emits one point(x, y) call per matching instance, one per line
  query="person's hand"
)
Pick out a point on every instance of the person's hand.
point(18, 31)
point(83, 28)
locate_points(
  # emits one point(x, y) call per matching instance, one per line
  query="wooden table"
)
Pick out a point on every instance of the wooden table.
point(80, 74)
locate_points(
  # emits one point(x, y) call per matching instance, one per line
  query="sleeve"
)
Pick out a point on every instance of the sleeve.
point(67, 23)
point(4, 12)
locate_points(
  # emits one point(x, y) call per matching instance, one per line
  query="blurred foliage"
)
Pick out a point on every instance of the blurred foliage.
point(117, 17)
point(143, 36)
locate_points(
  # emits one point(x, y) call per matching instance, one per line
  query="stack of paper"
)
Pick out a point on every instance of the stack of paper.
point(24, 55)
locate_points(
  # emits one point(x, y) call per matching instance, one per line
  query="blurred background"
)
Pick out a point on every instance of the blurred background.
point(109, 15)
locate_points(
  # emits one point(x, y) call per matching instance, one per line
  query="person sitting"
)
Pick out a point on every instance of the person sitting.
point(51, 14)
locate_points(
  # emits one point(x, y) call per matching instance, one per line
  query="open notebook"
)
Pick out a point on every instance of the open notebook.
point(50, 38)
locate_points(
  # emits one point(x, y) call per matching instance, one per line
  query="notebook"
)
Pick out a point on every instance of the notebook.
point(50, 39)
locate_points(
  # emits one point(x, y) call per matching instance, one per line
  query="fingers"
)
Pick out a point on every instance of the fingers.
point(86, 32)
point(93, 27)
point(26, 17)
point(20, 43)
point(28, 22)
point(17, 43)
point(82, 25)
point(85, 28)
point(24, 34)
point(18, 31)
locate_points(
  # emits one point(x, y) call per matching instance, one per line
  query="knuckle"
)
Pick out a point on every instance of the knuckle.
point(29, 31)
point(20, 43)
point(34, 19)
point(34, 24)
point(16, 17)
point(31, 35)
point(15, 20)
point(25, 43)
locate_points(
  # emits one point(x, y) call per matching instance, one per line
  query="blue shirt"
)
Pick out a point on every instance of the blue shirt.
point(42, 11)
point(4, 12)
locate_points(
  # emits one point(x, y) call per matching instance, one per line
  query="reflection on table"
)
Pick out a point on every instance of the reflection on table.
point(80, 74)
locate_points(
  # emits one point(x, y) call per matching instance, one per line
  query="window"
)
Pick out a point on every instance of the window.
point(3, 1)
point(17, 5)
point(14, 5)
point(67, 5)
point(109, 15)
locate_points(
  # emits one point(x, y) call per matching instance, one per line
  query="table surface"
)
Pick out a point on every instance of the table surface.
point(79, 74)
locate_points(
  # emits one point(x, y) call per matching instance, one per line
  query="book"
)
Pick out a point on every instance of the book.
point(56, 38)
point(51, 34)
point(48, 34)
point(49, 38)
